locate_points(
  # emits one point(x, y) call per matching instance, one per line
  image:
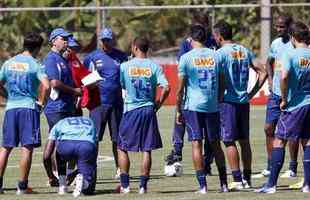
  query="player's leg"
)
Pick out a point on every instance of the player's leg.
point(246, 157)
point(124, 165)
point(4, 155)
point(208, 156)
point(306, 163)
point(99, 115)
point(145, 171)
point(61, 168)
point(293, 147)
point(212, 134)
point(194, 126)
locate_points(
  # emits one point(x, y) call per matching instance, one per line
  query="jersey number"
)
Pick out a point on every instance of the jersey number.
point(79, 121)
point(142, 90)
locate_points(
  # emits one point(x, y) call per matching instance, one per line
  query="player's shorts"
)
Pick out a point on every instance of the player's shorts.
point(104, 114)
point(53, 118)
point(139, 131)
point(273, 110)
point(200, 125)
point(294, 125)
point(235, 121)
point(21, 125)
point(85, 153)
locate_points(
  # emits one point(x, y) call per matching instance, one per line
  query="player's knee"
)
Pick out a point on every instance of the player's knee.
point(269, 130)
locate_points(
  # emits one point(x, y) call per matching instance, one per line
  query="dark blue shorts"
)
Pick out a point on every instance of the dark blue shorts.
point(139, 131)
point(104, 114)
point(53, 118)
point(200, 125)
point(273, 110)
point(84, 153)
point(294, 125)
point(21, 125)
point(235, 122)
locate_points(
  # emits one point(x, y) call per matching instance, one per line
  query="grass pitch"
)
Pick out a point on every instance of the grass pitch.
point(160, 187)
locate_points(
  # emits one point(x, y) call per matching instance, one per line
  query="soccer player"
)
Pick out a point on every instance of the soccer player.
point(20, 78)
point(278, 47)
point(199, 76)
point(75, 139)
point(235, 109)
point(60, 103)
point(107, 62)
point(138, 130)
point(179, 129)
point(295, 103)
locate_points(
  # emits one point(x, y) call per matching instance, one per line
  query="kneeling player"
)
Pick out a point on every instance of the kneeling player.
point(75, 139)
point(294, 120)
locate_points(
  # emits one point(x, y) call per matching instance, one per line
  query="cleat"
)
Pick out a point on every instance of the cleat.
point(78, 185)
point(62, 190)
point(298, 185)
point(237, 186)
point(224, 188)
point(265, 189)
point(202, 190)
point(26, 191)
point(173, 158)
point(264, 173)
point(118, 174)
point(288, 174)
point(305, 189)
point(124, 190)
point(142, 190)
point(246, 184)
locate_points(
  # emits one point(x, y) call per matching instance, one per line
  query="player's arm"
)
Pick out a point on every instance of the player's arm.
point(3, 91)
point(165, 88)
point(285, 68)
point(47, 154)
point(269, 68)
point(180, 97)
point(262, 76)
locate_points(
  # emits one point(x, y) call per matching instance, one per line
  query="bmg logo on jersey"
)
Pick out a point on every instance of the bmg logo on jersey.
point(237, 55)
point(304, 62)
point(140, 72)
point(204, 62)
point(19, 66)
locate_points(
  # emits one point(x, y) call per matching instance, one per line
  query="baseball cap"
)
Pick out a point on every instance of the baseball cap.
point(59, 32)
point(106, 33)
point(72, 42)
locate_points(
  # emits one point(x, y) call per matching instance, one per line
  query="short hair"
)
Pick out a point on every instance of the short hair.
point(224, 29)
point(198, 33)
point(287, 18)
point(142, 43)
point(300, 32)
point(32, 41)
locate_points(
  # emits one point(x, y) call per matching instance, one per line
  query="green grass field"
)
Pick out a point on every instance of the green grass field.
point(160, 187)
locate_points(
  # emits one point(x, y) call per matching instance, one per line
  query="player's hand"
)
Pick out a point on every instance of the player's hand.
point(157, 106)
point(78, 91)
point(38, 106)
point(283, 105)
point(179, 118)
point(53, 182)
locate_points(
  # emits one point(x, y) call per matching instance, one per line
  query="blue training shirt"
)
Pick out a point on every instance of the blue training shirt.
point(201, 68)
point(57, 68)
point(74, 128)
point(108, 66)
point(237, 62)
point(278, 47)
point(22, 75)
point(139, 78)
point(297, 63)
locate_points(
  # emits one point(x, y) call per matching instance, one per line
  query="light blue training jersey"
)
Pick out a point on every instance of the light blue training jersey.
point(22, 75)
point(74, 128)
point(278, 47)
point(140, 78)
point(201, 67)
point(297, 63)
point(237, 62)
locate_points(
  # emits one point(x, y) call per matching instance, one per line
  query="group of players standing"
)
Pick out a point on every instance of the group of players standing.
point(212, 105)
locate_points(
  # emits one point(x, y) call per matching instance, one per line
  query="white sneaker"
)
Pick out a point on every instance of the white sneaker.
point(78, 185)
point(288, 174)
point(264, 173)
point(305, 189)
point(26, 191)
point(142, 190)
point(266, 190)
point(118, 174)
point(202, 191)
point(125, 190)
point(62, 190)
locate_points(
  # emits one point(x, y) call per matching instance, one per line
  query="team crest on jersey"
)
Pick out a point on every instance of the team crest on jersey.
point(237, 55)
point(304, 62)
point(99, 63)
point(204, 62)
point(140, 72)
point(19, 66)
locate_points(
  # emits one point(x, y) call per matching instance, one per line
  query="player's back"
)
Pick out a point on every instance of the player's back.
point(297, 62)
point(140, 77)
point(201, 68)
point(74, 128)
point(237, 61)
point(21, 74)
